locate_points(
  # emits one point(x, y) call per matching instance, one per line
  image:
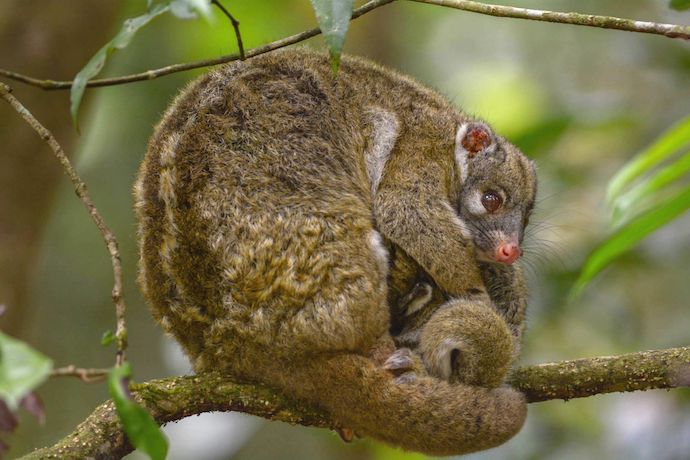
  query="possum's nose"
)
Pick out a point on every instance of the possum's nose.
point(507, 253)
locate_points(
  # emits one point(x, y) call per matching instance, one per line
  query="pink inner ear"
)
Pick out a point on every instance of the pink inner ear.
point(476, 139)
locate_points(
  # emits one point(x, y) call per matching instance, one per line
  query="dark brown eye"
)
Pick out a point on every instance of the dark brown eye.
point(491, 201)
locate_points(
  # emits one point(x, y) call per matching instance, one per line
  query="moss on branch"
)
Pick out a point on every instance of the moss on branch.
point(100, 436)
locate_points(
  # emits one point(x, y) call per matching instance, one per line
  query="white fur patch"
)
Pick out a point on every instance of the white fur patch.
point(167, 152)
point(473, 203)
point(418, 303)
point(377, 247)
point(460, 152)
point(386, 130)
point(443, 355)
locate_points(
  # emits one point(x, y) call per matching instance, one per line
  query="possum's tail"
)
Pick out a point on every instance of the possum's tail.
point(427, 415)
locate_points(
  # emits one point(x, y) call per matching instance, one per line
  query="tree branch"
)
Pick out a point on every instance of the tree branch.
point(588, 20)
point(83, 194)
point(85, 375)
point(101, 435)
point(580, 378)
point(155, 73)
point(578, 19)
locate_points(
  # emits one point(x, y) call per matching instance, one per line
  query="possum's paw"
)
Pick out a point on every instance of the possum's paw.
point(400, 359)
point(405, 365)
point(407, 377)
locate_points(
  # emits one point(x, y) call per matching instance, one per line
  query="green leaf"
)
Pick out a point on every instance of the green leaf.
point(334, 19)
point(129, 28)
point(142, 431)
point(680, 5)
point(666, 145)
point(189, 9)
point(21, 370)
point(629, 235)
point(107, 338)
point(628, 205)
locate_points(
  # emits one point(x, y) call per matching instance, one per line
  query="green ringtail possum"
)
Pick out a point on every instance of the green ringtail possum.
point(457, 340)
point(440, 329)
point(269, 201)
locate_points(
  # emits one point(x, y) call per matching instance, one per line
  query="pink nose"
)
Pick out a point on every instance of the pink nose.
point(507, 253)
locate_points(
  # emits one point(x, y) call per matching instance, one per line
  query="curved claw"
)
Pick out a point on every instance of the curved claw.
point(346, 434)
point(407, 377)
point(400, 359)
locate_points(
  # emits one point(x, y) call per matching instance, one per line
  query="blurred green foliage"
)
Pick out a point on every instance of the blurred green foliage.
point(649, 204)
point(182, 9)
point(22, 369)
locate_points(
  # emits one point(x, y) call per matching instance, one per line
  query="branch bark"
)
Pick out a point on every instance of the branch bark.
point(587, 20)
point(100, 436)
point(578, 19)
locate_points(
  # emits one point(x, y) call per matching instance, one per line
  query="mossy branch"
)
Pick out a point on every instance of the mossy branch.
point(100, 436)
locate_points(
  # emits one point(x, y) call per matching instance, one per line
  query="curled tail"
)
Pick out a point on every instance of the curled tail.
point(427, 415)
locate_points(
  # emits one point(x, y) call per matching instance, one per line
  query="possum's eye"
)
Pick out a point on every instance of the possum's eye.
point(491, 201)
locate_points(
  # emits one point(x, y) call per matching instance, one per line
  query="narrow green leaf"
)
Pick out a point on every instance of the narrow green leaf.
point(629, 235)
point(107, 338)
point(96, 63)
point(628, 205)
point(142, 431)
point(666, 145)
point(334, 19)
point(188, 9)
point(680, 5)
point(21, 370)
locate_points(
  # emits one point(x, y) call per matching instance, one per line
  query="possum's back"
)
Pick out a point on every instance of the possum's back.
point(252, 190)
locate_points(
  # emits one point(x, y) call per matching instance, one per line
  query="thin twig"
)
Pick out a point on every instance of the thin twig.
point(235, 25)
point(83, 194)
point(85, 375)
point(174, 68)
point(101, 436)
point(579, 19)
point(606, 22)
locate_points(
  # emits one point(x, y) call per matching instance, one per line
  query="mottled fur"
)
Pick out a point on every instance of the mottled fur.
point(446, 333)
point(258, 244)
point(458, 340)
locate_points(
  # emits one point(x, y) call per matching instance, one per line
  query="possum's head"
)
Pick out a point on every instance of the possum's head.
point(497, 193)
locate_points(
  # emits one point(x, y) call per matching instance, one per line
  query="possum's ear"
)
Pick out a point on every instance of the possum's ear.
point(472, 138)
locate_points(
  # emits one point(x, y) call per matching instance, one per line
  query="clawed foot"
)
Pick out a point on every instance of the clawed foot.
point(400, 359)
point(404, 365)
point(346, 434)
